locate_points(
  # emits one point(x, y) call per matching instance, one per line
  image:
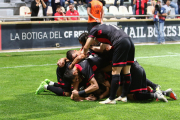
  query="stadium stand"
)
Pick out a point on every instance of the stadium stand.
point(109, 1)
point(114, 10)
point(149, 10)
point(49, 11)
point(22, 8)
point(81, 10)
point(24, 11)
point(130, 10)
point(123, 10)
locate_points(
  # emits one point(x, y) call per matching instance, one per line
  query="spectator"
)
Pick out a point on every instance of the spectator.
point(174, 5)
point(121, 2)
point(59, 12)
point(72, 12)
point(153, 3)
point(37, 9)
point(178, 6)
point(95, 14)
point(160, 14)
point(140, 8)
point(48, 3)
point(62, 2)
point(54, 3)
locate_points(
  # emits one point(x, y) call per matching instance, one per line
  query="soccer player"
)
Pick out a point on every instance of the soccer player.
point(61, 88)
point(123, 56)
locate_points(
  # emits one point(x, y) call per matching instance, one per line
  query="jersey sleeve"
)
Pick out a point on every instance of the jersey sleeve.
point(90, 73)
point(93, 32)
point(89, 5)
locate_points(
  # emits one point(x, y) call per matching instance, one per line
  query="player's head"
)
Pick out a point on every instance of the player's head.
point(59, 9)
point(82, 38)
point(72, 54)
point(167, 2)
point(70, 76)
point(71, 7)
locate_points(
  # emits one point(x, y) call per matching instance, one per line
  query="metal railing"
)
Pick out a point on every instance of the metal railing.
point(3, 18)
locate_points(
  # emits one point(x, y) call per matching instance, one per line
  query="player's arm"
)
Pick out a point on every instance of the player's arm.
point(102, 15)
point(101, 48)
point(43, 4)
point(93, 87)
point(134, 2)
point(83, 53)
point(61, 62)
point(104, 94)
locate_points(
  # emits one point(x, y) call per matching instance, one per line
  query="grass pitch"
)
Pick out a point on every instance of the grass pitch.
point(22, 72)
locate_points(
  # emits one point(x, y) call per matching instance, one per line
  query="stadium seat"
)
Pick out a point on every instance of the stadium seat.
point(150, 10)
point(63, 9)
point(109, 1)
point(82, 19)
point(114, 10)
point(81, 10)
point(172, 13)
point(130, 10)
point(49, 11)
point(24, 11)
point(123, 10)
point(106, 11)
point(68, 8)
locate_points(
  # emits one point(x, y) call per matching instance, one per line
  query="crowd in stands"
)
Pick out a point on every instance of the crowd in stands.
point(79, 7)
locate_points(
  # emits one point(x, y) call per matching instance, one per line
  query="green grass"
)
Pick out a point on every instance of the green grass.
point(18, 86)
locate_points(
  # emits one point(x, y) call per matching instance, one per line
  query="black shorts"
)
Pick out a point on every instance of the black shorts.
point(123, 52)
point(138, 82)
point(66, 87)
point(91, 25)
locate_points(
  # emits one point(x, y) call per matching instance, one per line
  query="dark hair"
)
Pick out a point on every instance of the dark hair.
point(83, 37)
point(69, 54)
point(58, 6)
point(68, 76)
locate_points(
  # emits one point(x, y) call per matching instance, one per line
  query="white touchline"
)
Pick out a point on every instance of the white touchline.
point(158, 56)
point(27, 66)
point(55, 64)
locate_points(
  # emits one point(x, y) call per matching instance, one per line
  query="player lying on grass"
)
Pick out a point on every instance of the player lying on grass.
point(61, 88)
point(138, 88)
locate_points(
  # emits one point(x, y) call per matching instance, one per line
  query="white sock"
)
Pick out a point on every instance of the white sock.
point(51, 83)
point(45, 87)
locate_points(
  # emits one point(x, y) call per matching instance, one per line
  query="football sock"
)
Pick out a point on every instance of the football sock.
point(57, 90)
point(114, 86)
point(151, 84)
point(45, 87)
point(164, 93)
point(127, 83)
point(56, 85)
point(51, 83)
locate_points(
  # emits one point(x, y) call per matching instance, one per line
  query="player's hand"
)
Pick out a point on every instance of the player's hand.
point(97, 20)
point(75, 93)
point(91, 97)
point(108, 47)
point(101, 22)
point(61, 63)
